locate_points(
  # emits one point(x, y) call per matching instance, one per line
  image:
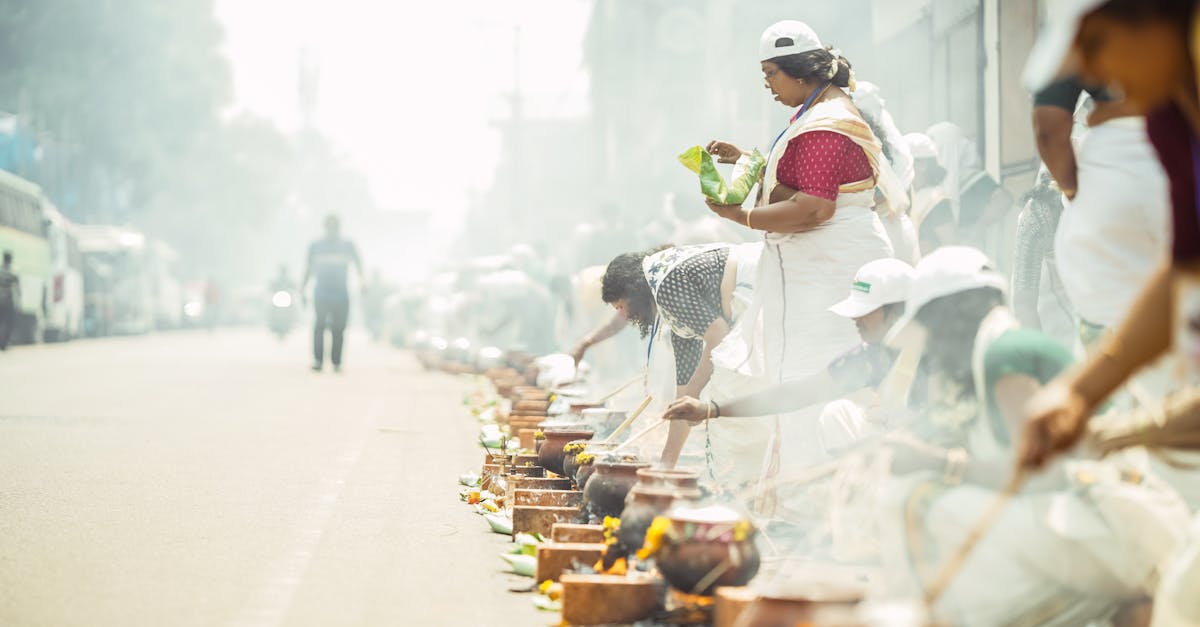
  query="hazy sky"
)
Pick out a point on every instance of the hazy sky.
point(409, 90)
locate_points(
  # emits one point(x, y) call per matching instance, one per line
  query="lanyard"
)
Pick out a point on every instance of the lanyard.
point(803, 109)
point(654, 335)
point(1196, 177)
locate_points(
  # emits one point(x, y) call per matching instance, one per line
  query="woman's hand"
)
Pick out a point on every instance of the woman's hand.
point(724, 151)
point(692, 410)
point(1058, 417)
point(729, 212)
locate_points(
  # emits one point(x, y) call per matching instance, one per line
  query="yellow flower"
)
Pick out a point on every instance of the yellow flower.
point(742, 530)
point(538, 435)
point(584, 459)
point(574, 448)
point(612, 525)
point(654, 537)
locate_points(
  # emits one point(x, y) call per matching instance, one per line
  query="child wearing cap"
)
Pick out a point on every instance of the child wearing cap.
point(875, 303)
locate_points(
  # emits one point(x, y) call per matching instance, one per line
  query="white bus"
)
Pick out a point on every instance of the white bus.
point(64, 308)
point(23, 234)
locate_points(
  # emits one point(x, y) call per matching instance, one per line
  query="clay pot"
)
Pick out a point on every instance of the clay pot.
point(643, 504)
point(663, 478)
point(584, 472)
point(550, 455)
point(569, 454)
point(532, 406)
point(820, 608)
point(609, 484)
point(699, 554)
point(576, 407)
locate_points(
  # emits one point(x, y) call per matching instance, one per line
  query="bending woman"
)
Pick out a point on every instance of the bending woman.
point(692, 293)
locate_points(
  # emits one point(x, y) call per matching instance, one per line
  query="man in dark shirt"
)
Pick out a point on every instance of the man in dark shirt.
point(10, 295)
point(329, 260)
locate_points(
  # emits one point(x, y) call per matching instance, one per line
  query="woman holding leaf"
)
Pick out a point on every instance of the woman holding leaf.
point(815, 209)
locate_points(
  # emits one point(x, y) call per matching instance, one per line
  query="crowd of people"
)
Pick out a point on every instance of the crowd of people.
point(870, 319)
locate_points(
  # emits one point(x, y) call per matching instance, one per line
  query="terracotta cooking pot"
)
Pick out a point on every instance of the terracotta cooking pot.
point(674, 478)
point(609, 484)
point(699, 554)
point(550, 455)
point(643, 505)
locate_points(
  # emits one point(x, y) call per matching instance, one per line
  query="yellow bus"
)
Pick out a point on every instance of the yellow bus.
point(23, 229)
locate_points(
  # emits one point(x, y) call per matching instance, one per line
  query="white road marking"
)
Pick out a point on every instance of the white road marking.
point(269, 607)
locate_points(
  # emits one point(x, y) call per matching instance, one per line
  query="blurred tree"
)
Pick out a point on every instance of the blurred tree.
point(138, 90)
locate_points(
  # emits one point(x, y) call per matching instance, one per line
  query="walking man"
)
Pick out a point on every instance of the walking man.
point(329, 260)
point(10, 295)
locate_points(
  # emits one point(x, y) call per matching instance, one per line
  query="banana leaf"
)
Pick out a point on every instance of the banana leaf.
point(745, 175)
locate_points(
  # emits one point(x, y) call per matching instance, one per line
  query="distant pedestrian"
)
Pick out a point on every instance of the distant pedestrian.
point(10, 295)
point(329, 260)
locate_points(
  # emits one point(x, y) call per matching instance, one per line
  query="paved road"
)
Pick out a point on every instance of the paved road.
point(211, 479)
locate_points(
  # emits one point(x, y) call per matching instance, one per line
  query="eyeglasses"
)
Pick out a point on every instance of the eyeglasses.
point(768, 75)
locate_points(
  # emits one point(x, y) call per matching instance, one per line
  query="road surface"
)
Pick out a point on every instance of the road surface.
point(198, 478)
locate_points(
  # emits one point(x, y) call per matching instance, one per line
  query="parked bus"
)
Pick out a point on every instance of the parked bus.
point(119, 297)
point(64, 312)
point(23, 233)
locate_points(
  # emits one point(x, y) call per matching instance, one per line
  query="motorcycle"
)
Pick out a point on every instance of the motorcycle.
point(283, 313)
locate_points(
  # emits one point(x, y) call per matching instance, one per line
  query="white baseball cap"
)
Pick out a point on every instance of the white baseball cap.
point(1052, 56)
point(803, 37)
point(880, 282)
point(945, 271)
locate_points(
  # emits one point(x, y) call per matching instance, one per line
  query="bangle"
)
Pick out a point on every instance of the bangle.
point(748, 212)
point(716, 409)
point(956, 466)
point(708, 412)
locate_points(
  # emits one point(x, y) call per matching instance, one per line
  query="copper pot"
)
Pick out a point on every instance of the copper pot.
point(664, 478)
point(550, 455)
point(608, 486)
point(697, 555)
point(643, 504)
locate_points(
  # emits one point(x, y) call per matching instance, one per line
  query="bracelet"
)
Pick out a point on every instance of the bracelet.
point(956, 466)
point(748, 212)
point(716, 409)
point(708, 412)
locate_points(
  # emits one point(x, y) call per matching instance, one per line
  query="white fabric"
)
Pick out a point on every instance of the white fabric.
point(902, 233)
point(874, 109)
point(1050, 56)
point(1055, 558)
point(1116, 231)
point(842, 423)
point(1177, 603)
point(804, 39)
point(959, 156)
point(920, 146)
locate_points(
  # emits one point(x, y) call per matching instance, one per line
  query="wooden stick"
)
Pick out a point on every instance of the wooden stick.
point(637, 436)
point(953, 565)
point(620, 388)
point(628, 421)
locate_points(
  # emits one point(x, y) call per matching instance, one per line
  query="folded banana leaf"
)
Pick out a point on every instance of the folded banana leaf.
point(745, 174)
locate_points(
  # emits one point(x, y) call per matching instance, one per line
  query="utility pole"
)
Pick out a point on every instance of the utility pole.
point(519, 212)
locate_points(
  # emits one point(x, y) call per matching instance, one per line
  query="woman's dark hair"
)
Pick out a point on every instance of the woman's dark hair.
point(953, 323)
point(1176, 11)
point(624, 279)
point(815, 65)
